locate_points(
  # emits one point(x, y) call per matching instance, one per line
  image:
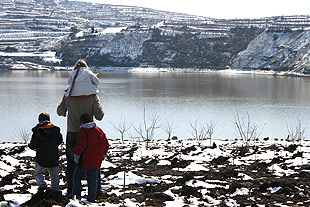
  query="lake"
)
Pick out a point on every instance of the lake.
point(274, 103)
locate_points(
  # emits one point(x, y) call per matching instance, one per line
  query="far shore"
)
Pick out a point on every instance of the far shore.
point(169, 70)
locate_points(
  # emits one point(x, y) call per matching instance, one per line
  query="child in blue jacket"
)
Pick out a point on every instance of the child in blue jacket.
point(45, 140)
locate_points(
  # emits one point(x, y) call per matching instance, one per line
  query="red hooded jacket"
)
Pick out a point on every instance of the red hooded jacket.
point(91, 147)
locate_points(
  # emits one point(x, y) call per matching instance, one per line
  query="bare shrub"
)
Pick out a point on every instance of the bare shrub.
point(122, 127)
point(297, 132)
point(247, 130)
point(147, 128)
point(210, 129)
point(24, 134)
point(202, 131)
point(168, 127)
point(199, 131)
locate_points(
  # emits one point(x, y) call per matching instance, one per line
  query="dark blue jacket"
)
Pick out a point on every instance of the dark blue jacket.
point(45, 140)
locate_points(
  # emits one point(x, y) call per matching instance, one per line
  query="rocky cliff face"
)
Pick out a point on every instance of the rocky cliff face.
point(113, 49)
point(37, 33)
point(151, 47)
point(277, 50)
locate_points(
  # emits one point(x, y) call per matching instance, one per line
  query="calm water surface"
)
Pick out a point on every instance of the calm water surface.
point(179, 97)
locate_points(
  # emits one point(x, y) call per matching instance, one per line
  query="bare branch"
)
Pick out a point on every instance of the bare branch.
point(210, 129)
point(199, 132)
point(298, 133)
point(147, 131)
point(122, 127)
point(24, 134)
point(168, 127)
point(247, 130)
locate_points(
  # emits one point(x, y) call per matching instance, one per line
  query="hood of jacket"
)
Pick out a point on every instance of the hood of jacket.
point(83, 74)
point(49, 130)
point(88, 125)
point(86, 83)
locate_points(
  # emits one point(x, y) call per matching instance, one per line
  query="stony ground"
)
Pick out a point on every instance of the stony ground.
point(227, 173)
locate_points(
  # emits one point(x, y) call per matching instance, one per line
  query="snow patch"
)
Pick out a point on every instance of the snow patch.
point(130, 178)
point(17, 198)
point(28, 153)
point(164, 162)
point(107, 164)
point(112, 30)
point(273, 189)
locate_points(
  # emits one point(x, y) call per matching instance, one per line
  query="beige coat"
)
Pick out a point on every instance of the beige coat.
point(78, 106)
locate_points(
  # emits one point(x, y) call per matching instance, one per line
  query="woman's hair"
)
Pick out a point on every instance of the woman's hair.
point(81, 63)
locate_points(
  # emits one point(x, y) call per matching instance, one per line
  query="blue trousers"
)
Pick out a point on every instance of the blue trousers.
point(70, 147)
point(92, 182)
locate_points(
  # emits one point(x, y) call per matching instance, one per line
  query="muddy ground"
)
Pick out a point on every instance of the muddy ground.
point(293, 190)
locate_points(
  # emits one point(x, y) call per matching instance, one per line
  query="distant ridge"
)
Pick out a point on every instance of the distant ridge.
point(39, 34)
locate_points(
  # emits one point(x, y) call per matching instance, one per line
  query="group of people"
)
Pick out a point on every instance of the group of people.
point(86, 143)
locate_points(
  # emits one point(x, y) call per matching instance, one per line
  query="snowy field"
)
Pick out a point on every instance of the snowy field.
point(174, 173)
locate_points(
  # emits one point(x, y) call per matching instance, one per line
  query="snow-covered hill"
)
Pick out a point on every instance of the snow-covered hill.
point(276, 50)
point(49, 34)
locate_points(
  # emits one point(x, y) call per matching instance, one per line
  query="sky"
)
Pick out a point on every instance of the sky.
point(223, 9)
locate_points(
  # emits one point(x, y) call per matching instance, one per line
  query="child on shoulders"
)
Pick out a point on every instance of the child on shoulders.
point(85, 81)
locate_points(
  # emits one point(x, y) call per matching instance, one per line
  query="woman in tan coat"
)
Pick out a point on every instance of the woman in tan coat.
point(74, 106)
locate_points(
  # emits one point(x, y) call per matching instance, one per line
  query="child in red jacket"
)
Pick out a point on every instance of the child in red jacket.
point(89, 152)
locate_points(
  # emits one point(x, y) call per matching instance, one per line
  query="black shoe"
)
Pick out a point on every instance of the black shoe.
point(42, 188)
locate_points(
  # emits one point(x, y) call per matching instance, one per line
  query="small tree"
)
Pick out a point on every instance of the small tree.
point(210, 130)
point(122, 127)
point(168, 127)
point(24, 134)
point(247, 130)
point(203, 131)
point(199, 131)
point(297, 132)
point(146, 129)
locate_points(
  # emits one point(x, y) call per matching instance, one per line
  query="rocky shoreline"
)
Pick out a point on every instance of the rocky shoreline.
point(175, 173)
